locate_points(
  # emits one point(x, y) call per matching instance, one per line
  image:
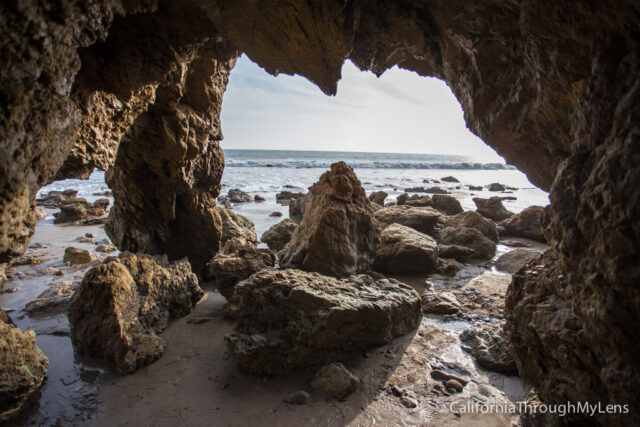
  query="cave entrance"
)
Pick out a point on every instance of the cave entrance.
point(398, 131)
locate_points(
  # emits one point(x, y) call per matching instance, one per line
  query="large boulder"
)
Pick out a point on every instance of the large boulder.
point(80, 210)
point(403, 250)
point(291, 320)
point(526, 224)
point(238, 260)
point(492, 208)
point(513, 261)
point(447, 204)
point(338, 234)
point(473, 219)
point(424, 219)
point(236, 225)
point(22, 367)
point(482, 248)
point(123, 303)
point(486, 344)
point(279, 234)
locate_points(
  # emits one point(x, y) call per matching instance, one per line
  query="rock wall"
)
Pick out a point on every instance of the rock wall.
point(552, 86)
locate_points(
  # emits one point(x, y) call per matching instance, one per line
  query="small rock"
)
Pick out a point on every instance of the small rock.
point(89, 235)
point(513, 260)
point(449, 179)
point(300, 397)
point(496, 187)
point(335, 380)
point(378, 197)
point(258, 198)
point(475, 187)
point(407, 402)
point(439, 302)
point(198, 320)
point(277, 214)
point(78, 256)
point(279, 234)
point(440, 375)
point(106, 248)
point(455, 385)
point(83, 239)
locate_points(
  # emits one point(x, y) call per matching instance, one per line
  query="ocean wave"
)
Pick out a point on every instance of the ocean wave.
point(366, 164)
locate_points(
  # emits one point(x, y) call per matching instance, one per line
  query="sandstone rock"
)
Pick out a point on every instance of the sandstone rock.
point(492, 208)
point(449, 179)
point(335, 380)
point(475, 220)
point(448, 267)
point(22, 367)
point(432, 190)
point(290, 319)
point(434, 302)
point(378, 197)
point(26, 260)
point(447, 204)
point(54, 199)
point(279, 234)
point(484, 296)
point(338, 234)
point(486, 344)
point(513, 260)
point(123, 303)
point(108, 248)
point(236, 195)
point(285, 196)
point(471, 238)
point(78, 256)
point(53, 300)
point(41, 215)
point(236, 225)
point(496, 186)
point(423, 219)
point(526, 224)
point(403, 250)
point(238, 260)
point(457, 252)
point(297, 207)
point(80, 210)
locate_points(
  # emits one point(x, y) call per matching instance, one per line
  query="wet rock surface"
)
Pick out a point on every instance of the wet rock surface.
point(338, 234)
point(471, 238)
point(403, 250)
point(291, 320)
point(22, 367)
point(278, 235)
point(78, 256)
point(473, 219)
point(123, 303)
point(486, 344)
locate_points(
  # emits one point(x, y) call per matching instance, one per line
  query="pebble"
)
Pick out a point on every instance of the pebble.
point(455, 385)
point(300, 397)
point(408, 402)
point(275, 214)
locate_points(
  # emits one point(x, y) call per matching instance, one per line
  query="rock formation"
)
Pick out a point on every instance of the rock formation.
point(472, 219)
point(79, 210)
point(423, 219)
point(492, 208)
point(123, 303)
point(238, 260)
point(292, 320)
point(236, 225)
point(338, 234)
point(135, 87)
point(279, 234)
point(481, 247)
point(378, 197)
point(486, 344)
point(526, 224)
point(447, 204)
point(23, 367)
point(403, 250)
point(513, 261)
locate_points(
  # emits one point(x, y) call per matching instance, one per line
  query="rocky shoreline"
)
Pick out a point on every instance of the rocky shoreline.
point(424, 264)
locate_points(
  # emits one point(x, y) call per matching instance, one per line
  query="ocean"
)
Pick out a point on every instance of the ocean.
point(267, 172)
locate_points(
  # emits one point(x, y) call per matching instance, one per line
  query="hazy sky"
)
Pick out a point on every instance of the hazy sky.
point(398, 112)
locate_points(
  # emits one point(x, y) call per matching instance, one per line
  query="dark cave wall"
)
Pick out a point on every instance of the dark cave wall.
point(551, 85)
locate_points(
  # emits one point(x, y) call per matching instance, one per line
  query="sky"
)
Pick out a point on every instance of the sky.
point(400, 112)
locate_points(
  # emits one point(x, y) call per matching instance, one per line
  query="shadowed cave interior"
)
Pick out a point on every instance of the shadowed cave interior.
point(135, 88)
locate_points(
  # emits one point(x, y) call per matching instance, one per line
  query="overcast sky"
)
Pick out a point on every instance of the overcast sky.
point(399, 112)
